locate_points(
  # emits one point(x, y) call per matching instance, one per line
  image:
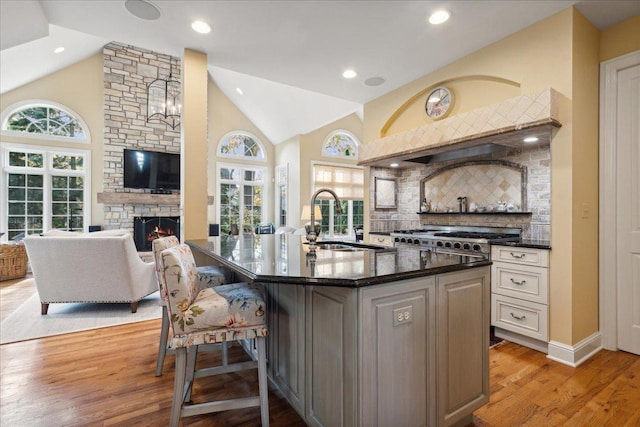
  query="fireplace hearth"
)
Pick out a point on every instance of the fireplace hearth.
point(148, 228)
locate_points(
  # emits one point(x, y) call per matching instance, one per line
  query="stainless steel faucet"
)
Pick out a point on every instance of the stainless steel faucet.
point(313, 230)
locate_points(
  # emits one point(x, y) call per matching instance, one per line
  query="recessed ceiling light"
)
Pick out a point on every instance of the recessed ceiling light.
point(201, 27)
point(239, 91)
point(531, 139)
point(374, 81)
point(142, 9)
point(439, 16)
point(349, 74)
point(58, 50)
point(394, 165)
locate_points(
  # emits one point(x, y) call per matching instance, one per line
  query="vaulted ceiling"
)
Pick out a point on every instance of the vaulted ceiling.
point(287, 57)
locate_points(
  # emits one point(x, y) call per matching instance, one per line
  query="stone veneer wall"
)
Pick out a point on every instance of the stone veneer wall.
point(483, 184)
point(538, 193)
point(127, 72)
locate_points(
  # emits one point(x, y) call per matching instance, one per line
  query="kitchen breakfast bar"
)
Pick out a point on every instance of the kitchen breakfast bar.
point(364, 335)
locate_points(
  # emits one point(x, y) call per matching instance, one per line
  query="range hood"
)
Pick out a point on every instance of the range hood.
point(490, 129)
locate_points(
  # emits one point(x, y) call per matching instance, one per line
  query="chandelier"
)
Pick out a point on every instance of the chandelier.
point(164, 101)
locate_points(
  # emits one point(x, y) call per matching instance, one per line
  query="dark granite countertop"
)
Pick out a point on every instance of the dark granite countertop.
point(285, 258)
point(380, 233)
point(534, 244)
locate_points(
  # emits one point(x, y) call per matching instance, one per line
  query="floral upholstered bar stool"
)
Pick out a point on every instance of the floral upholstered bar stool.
point(206, 316)
point(208, 276)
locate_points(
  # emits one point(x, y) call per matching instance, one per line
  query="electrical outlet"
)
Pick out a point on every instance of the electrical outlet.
point(402, 315)
point(585, 211)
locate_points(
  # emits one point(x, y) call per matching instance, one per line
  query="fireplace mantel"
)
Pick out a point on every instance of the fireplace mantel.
point(138, 198)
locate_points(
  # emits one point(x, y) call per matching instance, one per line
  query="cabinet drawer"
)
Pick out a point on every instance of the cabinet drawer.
point(520, 281)
point(518, 255)
point(377, 239)
point(523, 317)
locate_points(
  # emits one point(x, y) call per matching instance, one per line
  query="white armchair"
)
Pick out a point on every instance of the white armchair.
point(91, 267)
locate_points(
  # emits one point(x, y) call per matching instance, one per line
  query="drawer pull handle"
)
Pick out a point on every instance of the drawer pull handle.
point(518, 256)
point(518, 283)
point(518, 317)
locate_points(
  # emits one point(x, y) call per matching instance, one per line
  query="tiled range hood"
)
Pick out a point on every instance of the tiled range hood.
point(488, 129)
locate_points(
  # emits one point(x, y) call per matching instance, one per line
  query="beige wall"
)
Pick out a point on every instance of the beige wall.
point(470, 92)
point(193, 193)
point(79, 88)
point(585, 180)
point(562, 52)
point(225, 117)
point(620, 39)
point(311, 150)
point(558, 52)
point(299, 152)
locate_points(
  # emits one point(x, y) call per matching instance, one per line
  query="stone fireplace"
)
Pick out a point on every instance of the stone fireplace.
point(127, 71)
point(147, 229)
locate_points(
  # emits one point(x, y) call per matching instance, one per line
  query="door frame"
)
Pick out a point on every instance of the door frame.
point(608, 247)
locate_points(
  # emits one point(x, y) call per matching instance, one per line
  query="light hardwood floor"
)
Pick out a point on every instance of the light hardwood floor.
point(106, 377)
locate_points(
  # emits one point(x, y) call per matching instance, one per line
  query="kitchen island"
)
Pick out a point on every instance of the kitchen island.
point(363, 335)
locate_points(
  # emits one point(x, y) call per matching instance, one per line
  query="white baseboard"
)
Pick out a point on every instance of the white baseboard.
point(577, 354)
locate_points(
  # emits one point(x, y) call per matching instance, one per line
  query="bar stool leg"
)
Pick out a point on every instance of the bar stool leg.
point(192, 354)
point(262, 382)
point(178, 386)
point(164, 336)
point(225, 352)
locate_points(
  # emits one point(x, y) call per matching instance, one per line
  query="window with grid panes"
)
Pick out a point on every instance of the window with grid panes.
point(348, 183)
point(45, 189)
point(240, 190)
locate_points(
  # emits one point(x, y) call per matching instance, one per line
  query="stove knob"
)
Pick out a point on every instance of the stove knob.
point(456, 245)
point(447, 245)
point(476, 248)
point(466, 246)
point(439, 244)
point(416, 242)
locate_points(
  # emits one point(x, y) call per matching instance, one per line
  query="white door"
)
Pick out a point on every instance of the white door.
point(628, 209)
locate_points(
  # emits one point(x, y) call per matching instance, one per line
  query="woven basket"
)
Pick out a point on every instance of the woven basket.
point(13, 262)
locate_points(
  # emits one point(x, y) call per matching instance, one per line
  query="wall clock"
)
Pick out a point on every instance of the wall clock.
point(439, 103)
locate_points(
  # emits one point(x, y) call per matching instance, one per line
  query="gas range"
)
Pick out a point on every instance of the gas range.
point(463, 240)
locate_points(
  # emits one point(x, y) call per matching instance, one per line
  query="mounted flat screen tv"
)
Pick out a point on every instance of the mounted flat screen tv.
point(151, 170)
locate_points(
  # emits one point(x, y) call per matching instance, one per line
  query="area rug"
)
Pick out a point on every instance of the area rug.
point(26, 323)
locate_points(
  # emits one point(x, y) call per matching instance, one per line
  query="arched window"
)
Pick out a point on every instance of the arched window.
point(241, 187)
point(44, 120)
point(340, 143)
point(241, 144)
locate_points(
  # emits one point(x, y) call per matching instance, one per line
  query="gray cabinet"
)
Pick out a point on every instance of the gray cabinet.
point(285, 344)
point(412, 352)
point(463, 345)
point(398, 354)
point(331, 340)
